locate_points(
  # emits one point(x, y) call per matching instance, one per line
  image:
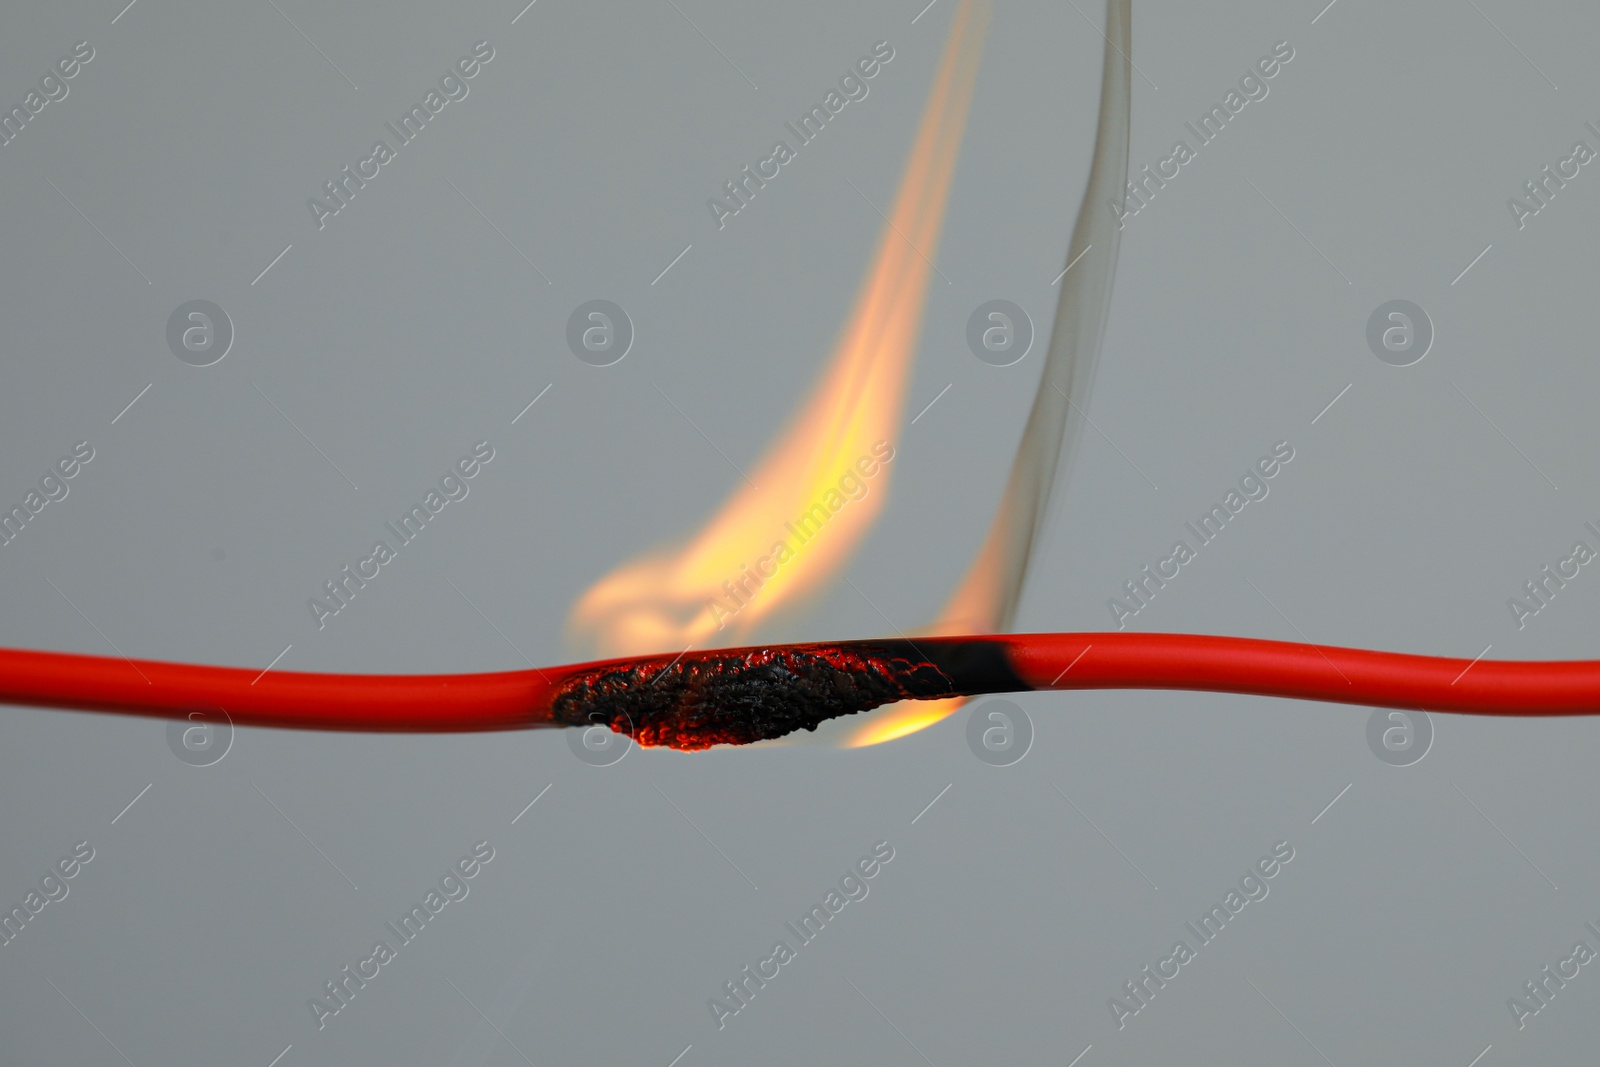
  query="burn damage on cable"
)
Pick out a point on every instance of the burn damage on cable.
point(737, 696)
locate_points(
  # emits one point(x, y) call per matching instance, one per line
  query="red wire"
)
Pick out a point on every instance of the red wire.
point(1306, 672)
point(397, 703)
point(442, 703)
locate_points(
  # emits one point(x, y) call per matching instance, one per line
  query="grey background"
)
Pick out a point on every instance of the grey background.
point(409, 328)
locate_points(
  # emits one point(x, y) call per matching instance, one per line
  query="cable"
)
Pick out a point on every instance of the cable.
point(508, 700)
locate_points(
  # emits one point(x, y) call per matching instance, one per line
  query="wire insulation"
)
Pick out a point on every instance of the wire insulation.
point(509, 700)
point(1306, 672)
point(389, 703)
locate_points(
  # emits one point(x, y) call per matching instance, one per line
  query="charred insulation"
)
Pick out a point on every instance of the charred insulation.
point(737, 696)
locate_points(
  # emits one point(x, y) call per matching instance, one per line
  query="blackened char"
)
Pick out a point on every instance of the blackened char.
point(738, 696)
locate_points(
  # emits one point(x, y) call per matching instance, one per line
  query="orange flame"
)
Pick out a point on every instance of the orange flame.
point(819, 488)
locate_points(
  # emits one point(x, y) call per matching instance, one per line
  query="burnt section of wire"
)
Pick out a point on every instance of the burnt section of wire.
point(739, 696)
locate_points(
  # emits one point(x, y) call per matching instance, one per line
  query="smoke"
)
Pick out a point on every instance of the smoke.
point(986, 600)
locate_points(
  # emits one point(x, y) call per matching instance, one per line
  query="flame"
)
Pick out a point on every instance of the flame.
point(769, 544)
